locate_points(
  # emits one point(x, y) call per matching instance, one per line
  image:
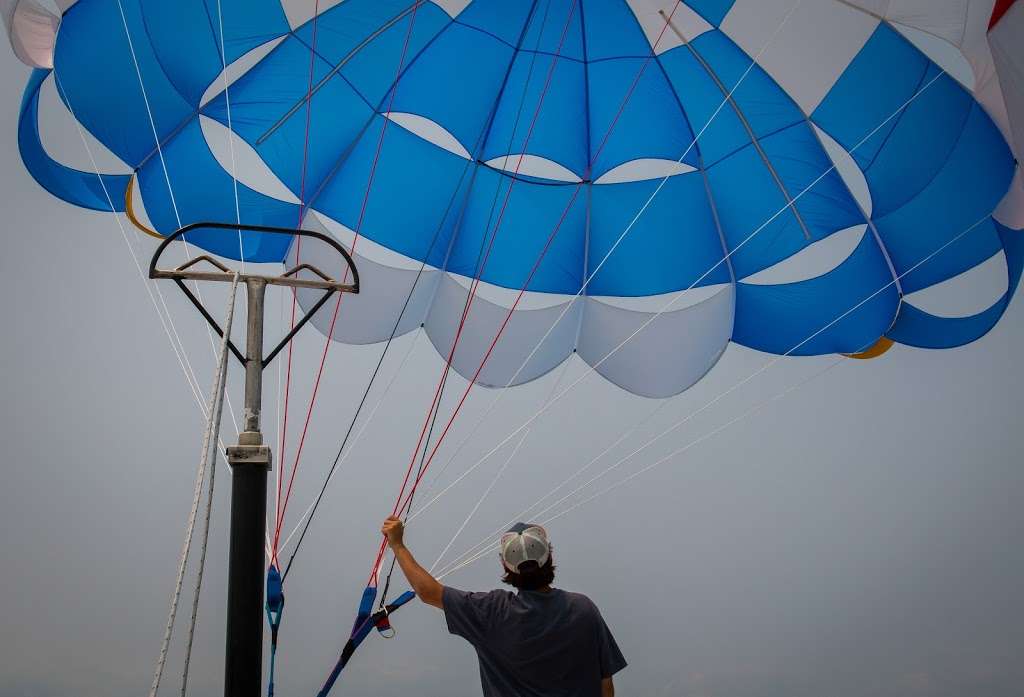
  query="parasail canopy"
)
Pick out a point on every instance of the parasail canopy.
point(659, 178)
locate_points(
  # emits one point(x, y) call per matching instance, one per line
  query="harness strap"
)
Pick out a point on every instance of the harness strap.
point(275, 608)
point(364, 624)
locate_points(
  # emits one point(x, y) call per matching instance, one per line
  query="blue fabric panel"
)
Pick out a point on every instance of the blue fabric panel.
point(670, 246)
point(373, 69)
point(747, 198)
point(970, 185)
point(563, 20)
point(74, 186)
point(612, 31)
point(80, 59)
point(412, 187)
point(463, 106)
point(247, 24)
point(503, 19)
point(532, 213)
point(204, 192)
point(826, 206)
point(916, 327)
point(866, 102)
point(934, 169)
point(765, 105)
point(269, 90)
point(342, 28)
point(651, 124)
point(185, 36)
point(714, 11)
point(919, 145)
point(560, 129)
point(781, 319)
point(716, 127)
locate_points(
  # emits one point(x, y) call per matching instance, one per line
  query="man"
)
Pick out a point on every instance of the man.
point(539, 642)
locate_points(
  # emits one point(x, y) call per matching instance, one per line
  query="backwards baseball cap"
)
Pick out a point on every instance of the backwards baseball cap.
point(522, 543)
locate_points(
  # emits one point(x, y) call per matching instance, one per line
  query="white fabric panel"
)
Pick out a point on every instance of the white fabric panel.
point(967, 294)
point(848, 170)
point(1011, 211)
point(299, 12)
point(942, 18)
point(652, 21)
point(944, 54)
point(811, 50)
point(814, 260)
point(430, 131)
point(32, 30)
point(369, 316)
point(672, 353)
point(1007, 45)
point(533, 166)
point(523, 332)
point(643, 169)
point(675, 300)
point(237, 69)
point(452, 7)
point(240, 159)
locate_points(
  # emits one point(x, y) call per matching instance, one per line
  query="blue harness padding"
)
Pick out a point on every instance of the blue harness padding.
point(365, 621)
point(275, 608)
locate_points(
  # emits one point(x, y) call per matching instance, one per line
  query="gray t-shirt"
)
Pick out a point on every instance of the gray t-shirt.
point(533, 644)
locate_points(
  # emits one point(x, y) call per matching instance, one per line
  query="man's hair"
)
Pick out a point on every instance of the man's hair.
point(531, 576)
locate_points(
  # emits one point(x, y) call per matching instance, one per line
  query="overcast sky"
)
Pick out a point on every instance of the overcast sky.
point(858, 537)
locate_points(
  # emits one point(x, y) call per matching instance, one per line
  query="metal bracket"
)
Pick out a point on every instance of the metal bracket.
point(222, 273)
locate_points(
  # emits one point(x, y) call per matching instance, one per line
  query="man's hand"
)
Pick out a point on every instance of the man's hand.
point(426, 586)
point(394, 530)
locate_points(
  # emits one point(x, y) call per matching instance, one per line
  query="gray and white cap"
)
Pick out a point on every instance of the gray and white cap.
point(522, 543)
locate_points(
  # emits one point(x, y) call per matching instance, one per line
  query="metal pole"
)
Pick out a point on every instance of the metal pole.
point(250, 461)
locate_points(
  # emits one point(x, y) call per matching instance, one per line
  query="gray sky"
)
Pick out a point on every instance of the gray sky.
point(859, 537)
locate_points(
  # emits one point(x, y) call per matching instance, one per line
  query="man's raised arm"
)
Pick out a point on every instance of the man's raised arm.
point(428, 588)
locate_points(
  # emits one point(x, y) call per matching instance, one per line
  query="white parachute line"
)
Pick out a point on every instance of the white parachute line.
point(149, 112)
point(480, 501)
point(231, 133)
point(209, 435)
point(667, 306)
point(170, 189)
point(679, 451)
point(437, 477)
point(497, 475)
point(590, 277)
point(597, 458)
point(747, 379)
point(492, 547)
point(210, 453)
point(776, 359)
point(358, 436)
point(166, 322)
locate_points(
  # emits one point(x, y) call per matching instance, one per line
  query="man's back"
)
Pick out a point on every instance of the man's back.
point(534, 643)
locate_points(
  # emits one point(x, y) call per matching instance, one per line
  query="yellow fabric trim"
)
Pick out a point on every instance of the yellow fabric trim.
point(880, 347)
point(130, 211)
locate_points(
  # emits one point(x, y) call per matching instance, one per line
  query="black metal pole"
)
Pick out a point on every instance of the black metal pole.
point(250, 461)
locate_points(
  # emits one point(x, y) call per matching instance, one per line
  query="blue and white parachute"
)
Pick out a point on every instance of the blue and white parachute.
point(797, 177)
